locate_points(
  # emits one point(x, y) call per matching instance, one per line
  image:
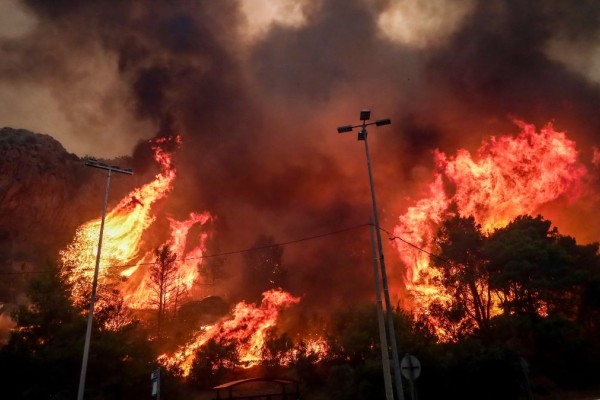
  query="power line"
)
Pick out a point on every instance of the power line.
point(227, 253)
point(391, 236)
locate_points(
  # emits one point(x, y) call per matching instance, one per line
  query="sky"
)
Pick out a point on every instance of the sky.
point(256, 88)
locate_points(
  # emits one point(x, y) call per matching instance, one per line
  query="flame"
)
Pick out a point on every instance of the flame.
point(509, 176)
point(247, 326)
point(138, 290)
point(123, 242)
point(123, 245)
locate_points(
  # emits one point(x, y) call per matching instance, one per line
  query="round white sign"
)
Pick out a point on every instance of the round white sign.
point(410, 367)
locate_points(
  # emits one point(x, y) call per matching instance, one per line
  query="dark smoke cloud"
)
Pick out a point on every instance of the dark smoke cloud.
point(497, 65)
point(258, 121)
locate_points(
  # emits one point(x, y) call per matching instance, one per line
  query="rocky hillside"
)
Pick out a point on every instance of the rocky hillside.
point(45, 193)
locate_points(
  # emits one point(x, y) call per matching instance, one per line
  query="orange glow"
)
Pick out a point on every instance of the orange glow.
point(124, 245)
point(247, 326)
point(137, 290)
point(123, 242)
point(509, 176)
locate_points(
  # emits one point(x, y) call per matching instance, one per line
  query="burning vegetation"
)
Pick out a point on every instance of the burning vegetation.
point(508, 177)
point(493, 187)
point(474, 262)
point(480, 281)
point(164, 279)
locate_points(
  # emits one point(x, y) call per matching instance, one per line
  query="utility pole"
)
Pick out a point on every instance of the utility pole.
point(365, 115)
point(88, 333)
point(385, 351)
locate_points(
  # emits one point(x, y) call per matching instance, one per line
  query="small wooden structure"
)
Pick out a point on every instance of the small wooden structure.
point(273, 389)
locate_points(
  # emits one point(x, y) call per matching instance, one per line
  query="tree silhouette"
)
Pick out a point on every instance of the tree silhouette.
point(43, 356)
point(464, 274)
point(538, 270)
point(163, 275)
point(213, 362)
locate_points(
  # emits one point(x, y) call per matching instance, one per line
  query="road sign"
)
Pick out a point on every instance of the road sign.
point(410, 367)
point(155, 378)
point(154, 375)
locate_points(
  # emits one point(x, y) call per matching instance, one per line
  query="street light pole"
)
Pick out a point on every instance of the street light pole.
point(365, 115)
point(385, 350)
point(88, 333)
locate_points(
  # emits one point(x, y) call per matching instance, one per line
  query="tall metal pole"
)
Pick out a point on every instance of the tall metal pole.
point(88, 332)
point(388, 304)
point(385, 351)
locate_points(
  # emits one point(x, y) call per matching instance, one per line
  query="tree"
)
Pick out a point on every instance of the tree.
point(538, 271)
point(42, 359)
point(213, 362)
point(464, 273)
point(276, 349)
point(163, 275)
point(263, 269)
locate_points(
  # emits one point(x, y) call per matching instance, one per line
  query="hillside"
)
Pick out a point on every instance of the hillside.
point(45, 193)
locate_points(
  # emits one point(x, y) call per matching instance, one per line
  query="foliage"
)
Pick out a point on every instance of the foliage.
point(213, 362)
point(165, 282)
point(464, 274)
point(43, 357)
point(275, 350)
point(545, 287)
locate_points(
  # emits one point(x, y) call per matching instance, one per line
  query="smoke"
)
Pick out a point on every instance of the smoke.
point(257, 93)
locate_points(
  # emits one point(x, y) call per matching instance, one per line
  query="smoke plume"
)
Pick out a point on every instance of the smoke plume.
point(257, 92)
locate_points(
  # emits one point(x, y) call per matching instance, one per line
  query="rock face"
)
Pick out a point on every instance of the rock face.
point(37, 179)
point(45, 194)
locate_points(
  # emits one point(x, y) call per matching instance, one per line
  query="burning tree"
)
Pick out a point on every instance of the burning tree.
point(526, 269)
point(536, 270)
point(464, 275)
point(165, 282)
point(123, 244)
point(508, 176)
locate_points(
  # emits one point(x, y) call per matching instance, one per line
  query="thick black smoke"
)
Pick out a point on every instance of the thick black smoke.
point(258, 117)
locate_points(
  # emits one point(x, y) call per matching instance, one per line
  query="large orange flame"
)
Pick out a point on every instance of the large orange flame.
point(137, 290)
point(510, 176)
point(123, 239)
point(247, 326)
point(123, 247)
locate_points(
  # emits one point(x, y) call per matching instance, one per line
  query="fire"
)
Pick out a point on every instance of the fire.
point(137, 289)
point(509, 176)
point(124, 245)
point(123, 241)
point(247, 326)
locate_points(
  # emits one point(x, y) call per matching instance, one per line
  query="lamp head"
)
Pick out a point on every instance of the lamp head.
point(365, 115)
point(345, 128)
